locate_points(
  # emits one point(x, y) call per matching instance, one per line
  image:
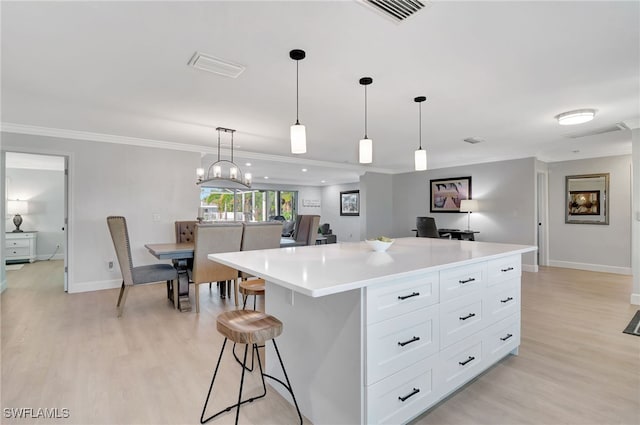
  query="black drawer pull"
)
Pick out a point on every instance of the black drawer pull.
point(411, 394)
point(404, 297)
point(414, 339)
point(507, 300)
point(466, 361)
point(506, 337)
point(471, 279)
point(469, 316)
point(508, 269)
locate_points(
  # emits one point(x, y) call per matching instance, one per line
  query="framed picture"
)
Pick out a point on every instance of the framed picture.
point(587, 199)
point(350, 202)
point(446, 194)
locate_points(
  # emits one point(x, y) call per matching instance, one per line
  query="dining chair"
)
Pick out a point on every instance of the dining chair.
point(214, 239)
point(427, 228)
point(306, 229)
point(135, 275)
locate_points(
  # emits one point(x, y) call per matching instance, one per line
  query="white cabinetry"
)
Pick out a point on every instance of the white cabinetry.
point(20, 246)
point(429, 335)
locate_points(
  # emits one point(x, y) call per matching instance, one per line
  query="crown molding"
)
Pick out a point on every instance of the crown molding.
point(61, 133)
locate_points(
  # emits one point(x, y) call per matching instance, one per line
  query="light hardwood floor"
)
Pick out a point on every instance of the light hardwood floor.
point(153, 365)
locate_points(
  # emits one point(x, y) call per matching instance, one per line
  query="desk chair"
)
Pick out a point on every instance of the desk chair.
point(427, 228)
point(213, 239)
point(136, 275)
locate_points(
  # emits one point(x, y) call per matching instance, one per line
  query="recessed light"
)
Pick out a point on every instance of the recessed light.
point(323, 181)
point(248, 164)
point(266, 177)
point(578, 116)
point(304, 170)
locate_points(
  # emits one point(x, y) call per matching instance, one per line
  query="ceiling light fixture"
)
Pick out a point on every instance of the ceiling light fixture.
point(214, 176)
point(420, 155)
point(366, 145)
point(298, 131)
point(578, 116)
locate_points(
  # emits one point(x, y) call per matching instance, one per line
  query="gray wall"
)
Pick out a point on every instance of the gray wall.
point(590, 246)
point(113, 179)
point(346, 228)
point(376, 206)
point(635, 239)
point(505, 192)
point(44, 189)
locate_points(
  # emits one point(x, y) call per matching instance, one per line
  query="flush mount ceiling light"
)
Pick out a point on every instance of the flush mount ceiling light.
point(298, 131)
point(218, 66)
point(578, 116)
point(420, 155)
point(215, 176)
point(366, 144)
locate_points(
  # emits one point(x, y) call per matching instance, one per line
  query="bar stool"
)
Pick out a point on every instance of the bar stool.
point(248, 327)
point(249, 287)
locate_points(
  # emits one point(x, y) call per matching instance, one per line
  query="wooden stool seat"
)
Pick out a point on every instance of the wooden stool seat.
point(252, 287)
point(248, 326)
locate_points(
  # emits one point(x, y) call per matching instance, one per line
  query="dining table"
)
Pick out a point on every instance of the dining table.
point(179, 253)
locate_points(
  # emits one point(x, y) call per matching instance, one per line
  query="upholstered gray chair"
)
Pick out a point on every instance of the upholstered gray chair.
point(135, 275)
point(306, 230)
point(213, 239)
point(427, 228)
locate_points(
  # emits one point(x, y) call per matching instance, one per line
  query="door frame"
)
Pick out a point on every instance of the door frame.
point(542, 217)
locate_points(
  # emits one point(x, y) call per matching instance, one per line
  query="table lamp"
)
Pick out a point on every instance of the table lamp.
point(17, 208)
point(468, 206)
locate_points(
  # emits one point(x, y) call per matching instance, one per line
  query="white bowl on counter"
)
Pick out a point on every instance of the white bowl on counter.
point(378, 246)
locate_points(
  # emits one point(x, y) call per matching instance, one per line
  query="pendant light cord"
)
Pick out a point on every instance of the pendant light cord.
point(420, 123)
point(218, 144)
point(365, 112)
point(297, 95)
point(232, 146)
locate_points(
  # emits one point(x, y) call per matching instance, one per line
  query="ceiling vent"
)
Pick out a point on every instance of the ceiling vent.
point(397, 10)
point(473, 140)
point(218, 66)
point(594, 132)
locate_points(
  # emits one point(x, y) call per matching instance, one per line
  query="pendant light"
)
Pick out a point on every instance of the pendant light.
point(420, 155)
point(298, 131)
point(366, 144)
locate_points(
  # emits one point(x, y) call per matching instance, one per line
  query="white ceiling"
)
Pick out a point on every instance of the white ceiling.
point(498, 71)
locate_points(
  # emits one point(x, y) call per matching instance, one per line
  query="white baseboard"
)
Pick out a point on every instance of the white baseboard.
point(591, 267)
point(96, 285)
point(635, 299)
point(533, 268)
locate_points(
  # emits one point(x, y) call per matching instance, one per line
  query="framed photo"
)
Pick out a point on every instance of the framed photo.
point(446, 194)
point(587, 199)
point(350, 202)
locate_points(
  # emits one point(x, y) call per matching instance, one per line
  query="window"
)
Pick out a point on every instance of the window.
point(218, 204)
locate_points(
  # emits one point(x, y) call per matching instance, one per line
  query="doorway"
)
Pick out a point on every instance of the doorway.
point(542, 218)
point(36, 199)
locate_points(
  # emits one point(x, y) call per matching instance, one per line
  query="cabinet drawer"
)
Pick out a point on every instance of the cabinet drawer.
point(17, 252)
point(397, 343)
point(461, 281)
point(502, 337)
point(502, 300)
point(460, 363)
point(505, 268)
point(401, 296)
point(404, 395)
point(17, 243)
point(460, 318)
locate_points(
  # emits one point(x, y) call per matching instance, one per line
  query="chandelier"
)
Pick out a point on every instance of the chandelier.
point(223, 171)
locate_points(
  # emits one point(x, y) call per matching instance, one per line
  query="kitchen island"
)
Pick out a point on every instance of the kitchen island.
point(379, 337)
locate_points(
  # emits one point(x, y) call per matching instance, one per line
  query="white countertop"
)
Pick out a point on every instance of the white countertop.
point(330, 269)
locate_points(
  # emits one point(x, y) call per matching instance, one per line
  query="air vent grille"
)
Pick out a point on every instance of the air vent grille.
point(608, 129)
point(473, 140)
point(218, 66)
point(398, 10)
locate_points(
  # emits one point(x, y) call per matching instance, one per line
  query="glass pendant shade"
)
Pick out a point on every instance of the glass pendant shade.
point(366, 151)
point(420, 157)
point(298, 139)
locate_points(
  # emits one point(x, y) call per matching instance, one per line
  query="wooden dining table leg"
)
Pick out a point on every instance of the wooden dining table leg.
point(183, 287)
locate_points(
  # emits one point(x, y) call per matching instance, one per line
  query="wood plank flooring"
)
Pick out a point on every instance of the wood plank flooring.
point(154, 365)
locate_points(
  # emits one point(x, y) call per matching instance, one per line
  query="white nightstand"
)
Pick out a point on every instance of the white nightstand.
point(20, 246)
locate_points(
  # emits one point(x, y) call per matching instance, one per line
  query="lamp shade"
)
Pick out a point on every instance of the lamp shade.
point(298, 139)
point(17, 207)
point(420, 159)
point(468, 205)
point(366, 151)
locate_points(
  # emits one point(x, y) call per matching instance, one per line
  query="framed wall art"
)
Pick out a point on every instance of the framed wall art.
point(446, 194)
point(350, 203)
point(587, 199)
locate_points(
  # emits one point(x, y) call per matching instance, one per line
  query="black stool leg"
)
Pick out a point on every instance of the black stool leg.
point(202, 420)
point(288, 384)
